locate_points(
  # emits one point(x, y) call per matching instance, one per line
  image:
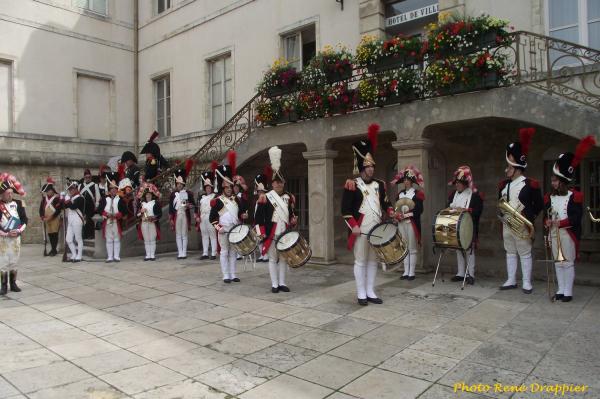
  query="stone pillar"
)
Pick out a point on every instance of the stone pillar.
point(372, 18)
point(320, 202)
point(416, 152)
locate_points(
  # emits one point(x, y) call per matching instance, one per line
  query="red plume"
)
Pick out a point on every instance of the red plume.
point(269, 172)
point(153, 137)
point(50, 180)
point(189, 163)
point(121, 171)
point(584, 146)
point(373, 131)
point(231, 158)
point(102, 168)
point(177, 161)
point(525, 137)
point(214, 165)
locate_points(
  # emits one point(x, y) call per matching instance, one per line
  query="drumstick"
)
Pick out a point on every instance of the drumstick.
point(364, 234)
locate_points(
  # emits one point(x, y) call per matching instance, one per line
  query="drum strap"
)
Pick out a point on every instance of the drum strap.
point(369, 195)
point(230, 205)
point(279, 205)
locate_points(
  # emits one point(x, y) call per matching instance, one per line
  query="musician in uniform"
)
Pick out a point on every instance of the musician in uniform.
point(409, 215)
point(149, 214)
point(114, 210)
point(275, 213)
point(155, 162)
point(364, 204)
point(74, 206)
point(207, 231)
point(13, 221)
point(132, 170)
point(226, 211)
point(564, 210)
point(50, 208)
point(102, 184)
point(91, 197)
point(240, 190)
point(261, 186)
point(523, 194)
point(466, 197)
point(181, 204)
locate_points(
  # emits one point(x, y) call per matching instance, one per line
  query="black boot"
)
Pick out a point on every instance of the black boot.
point(3, 283)
point(53, 243)
point(13, 281)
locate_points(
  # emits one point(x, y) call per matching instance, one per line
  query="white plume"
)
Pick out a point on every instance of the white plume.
point(275, 157)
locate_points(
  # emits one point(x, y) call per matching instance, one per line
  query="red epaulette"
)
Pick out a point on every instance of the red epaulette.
point(546, 198)
point(451, 195)
point(213, 202)
point(350, 185)
point(420, 194)
point(534, 183)
point(292, 198)
point(577, 196)
point(262, 199)
point(502, 184)
point(481, 195)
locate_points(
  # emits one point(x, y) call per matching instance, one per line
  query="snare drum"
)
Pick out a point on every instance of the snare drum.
point(453, 229)
point(388, 244)
point(293, 248)
point(243, 239)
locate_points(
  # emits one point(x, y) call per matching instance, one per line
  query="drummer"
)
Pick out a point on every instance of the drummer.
point(274, 215)
point(466, 197)
point(362, 212)
point(410, 201)
point(226, 212)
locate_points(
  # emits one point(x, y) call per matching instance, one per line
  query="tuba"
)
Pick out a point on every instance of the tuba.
point(513, 219)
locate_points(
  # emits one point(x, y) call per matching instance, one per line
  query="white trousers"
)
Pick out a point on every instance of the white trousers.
point(517, 248)
point(407, 232)
point(227, 257)
point(181, 234)
point(565, 271)
point(74, 239)
point(209, 235)
point(277, 266)
point(470, 263)
point(149, 234)
point(365, 267)
point(113, 241)
point(10, 251)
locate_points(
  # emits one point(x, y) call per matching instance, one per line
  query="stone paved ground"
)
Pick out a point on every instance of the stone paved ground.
point(168, 329)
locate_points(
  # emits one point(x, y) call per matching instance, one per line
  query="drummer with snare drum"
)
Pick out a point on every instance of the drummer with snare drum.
point(409, 208)
point(364, 205)
point(466, 197)
point(274, 214)
point(226, 211)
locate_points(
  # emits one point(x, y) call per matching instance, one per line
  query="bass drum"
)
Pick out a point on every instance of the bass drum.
point(390, 247)
point(453, 229)
point(293, 248)
point(243, 239)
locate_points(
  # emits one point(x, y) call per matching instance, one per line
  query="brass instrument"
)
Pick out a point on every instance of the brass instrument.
point(404, 202)
point(559, 254)
point(550, 282)
point(592, 218)
point(513, 219)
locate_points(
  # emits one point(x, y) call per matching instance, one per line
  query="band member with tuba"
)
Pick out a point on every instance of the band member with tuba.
point(564, 210)
point(466, 197)
point(364, 203)
point(181, 206)
point(261, 187)
point(208, 232)
point(13, 221)
point(410, 207)
point(226, 211)
point(150, 213)
point(74, 206)
point(91, 197)
point(274, 215)
point(50, 208)
point(114, 210)
point(524, 198)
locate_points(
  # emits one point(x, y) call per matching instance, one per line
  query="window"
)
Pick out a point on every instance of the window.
point(6, 95)
point(162, 92)
point(162, 6)
point(221, 96)
point(95, 6)
point(299, 188)
point(300, 47)
point(576, 21)
point(93, 107)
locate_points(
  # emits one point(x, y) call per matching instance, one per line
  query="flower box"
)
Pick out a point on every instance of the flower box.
point(278, 91)
point(392, 62)
point(486, 40)
point(397, 99)
point(289, 117)
point(489, 81)
point(334, 76)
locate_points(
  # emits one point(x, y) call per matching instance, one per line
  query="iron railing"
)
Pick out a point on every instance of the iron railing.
point(554, 66)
